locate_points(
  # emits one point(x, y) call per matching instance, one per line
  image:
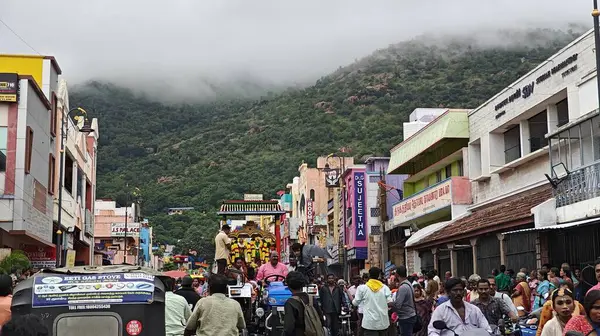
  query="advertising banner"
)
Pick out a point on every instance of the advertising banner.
point(360, 204)
point(9, 87)
point(332, 178)
point(89, 289)
point(118, 229)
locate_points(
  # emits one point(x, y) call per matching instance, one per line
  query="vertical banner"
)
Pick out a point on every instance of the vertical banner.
point(310, 216)
point(360, 204)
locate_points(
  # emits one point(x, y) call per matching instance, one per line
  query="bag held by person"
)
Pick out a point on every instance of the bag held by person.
point(312, 322)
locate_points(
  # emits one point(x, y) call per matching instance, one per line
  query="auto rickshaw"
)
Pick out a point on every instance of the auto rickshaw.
point(115, 300)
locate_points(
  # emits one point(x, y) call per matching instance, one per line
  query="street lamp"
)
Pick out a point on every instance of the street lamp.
point(64, 131)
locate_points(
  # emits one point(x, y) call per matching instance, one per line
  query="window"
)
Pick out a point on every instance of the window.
point(538, 127)
point(375, 212)
point(512, 144)
point(312, 195)
point(68, 178)
point(51, 174)
point(448, 170)
point(562, 112)
point(3, 145)
point(461, 171)
point(53, 114)
point(438, 176)
point(374, 179)
point(28, 149)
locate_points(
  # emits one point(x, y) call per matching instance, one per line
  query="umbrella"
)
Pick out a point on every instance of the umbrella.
point(175, 274)
point(311, 251)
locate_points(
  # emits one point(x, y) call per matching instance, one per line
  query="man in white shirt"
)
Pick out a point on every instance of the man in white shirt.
point(222, 246)
point(458, 315)
point(374, 297)
point(177, 311)
point(502, 296)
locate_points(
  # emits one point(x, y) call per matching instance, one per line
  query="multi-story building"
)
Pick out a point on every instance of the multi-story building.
point(79, 180)
point(383, 191)
point(555, 125)
point(111, 224)
point(514, 216)
point(313, 197)
point(27, 138)
point(436, 193)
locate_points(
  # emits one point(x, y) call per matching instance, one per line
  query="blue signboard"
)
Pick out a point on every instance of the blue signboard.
point(360, 204)
point(89, 289)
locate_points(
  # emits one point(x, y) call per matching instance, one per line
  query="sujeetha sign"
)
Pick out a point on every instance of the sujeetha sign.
point(9, 87)
point(359, 206)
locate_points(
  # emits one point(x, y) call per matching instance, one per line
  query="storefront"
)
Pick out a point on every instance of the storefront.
point(474, 243)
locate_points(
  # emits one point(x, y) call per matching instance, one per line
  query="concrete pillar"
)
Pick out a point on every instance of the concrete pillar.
point(502, 252)
point(474, 248)
point(525, 135)
point(552, 117)
point(435, 258)
point(453, 257)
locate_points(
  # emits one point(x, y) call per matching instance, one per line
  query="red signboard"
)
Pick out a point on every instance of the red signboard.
point(41, 257)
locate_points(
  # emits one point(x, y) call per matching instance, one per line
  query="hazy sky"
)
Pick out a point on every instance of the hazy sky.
point(278, 41)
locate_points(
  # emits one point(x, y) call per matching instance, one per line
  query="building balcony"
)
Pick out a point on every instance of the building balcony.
point(442, 137)
point(438, 202)
point(575, 168)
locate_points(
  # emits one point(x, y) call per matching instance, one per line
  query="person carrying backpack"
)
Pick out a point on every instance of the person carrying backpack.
point(302, 314)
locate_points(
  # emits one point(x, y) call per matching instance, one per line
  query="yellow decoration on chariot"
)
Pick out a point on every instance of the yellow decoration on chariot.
point(235, 250)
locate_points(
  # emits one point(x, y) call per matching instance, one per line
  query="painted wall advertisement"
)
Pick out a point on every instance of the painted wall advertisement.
point(92, 289)
point(360, 204)
point(310, 215)
point(118, 229)
point(422, 203)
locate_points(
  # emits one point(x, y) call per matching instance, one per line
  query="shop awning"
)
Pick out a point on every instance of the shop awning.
point(425, 232)
point(558, 226)
point(511, 212)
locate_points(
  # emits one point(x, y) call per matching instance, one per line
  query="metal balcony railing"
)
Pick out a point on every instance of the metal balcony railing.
point(512, 153)
point(580, 185)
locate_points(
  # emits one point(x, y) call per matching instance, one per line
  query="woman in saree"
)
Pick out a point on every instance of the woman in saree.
point(563, 304)
point(543, 290)
point(521, 296)
point(587, 325)
point(547, 311)
point(424, 308)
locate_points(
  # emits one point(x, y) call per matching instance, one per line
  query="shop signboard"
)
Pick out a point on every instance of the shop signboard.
point(424, 202)
point(40, 257)
point(332, 178)
point(253, 197)
point(118, 229)
point(360, 204)
point(310, 215)
point(92, 289)
point(9, 87)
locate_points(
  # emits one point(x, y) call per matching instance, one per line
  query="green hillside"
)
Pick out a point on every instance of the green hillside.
point(197, 155)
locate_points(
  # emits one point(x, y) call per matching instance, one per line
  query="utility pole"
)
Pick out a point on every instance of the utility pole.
point(383, 216)
point(126, 215)
point(595, 14)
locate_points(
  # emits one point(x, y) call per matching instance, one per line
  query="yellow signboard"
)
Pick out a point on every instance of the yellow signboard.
point(70, 258)
point(8, 98)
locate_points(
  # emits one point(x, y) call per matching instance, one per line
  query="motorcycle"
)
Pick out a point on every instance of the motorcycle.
point(345, 325)
point(274, 296)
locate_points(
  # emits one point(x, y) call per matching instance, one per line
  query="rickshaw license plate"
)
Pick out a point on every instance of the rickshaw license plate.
point(280, 309)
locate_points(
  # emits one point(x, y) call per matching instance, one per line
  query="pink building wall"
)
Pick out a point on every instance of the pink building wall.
point(351, 182)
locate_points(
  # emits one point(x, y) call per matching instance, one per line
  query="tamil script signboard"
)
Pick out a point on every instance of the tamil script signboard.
point(427, 201)
point(118, 229)
point(360, 204)
point(92, 289)
point(9, 87)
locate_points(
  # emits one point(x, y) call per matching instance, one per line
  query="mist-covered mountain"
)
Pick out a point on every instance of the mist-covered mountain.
point(199, 154)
